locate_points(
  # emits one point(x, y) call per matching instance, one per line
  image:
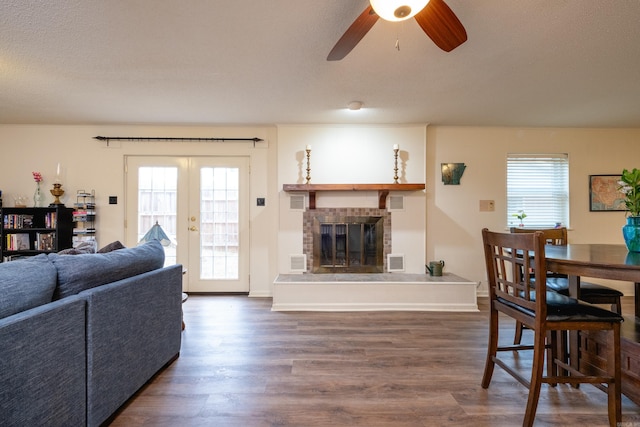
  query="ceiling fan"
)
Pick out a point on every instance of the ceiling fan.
point(435, 18)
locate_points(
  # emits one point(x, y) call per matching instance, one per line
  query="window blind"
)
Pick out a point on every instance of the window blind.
point(538, 185)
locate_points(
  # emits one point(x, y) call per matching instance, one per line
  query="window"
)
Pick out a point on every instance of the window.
point(538, 185)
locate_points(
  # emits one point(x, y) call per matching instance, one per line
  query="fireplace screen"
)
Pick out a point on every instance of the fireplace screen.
point(348, 245)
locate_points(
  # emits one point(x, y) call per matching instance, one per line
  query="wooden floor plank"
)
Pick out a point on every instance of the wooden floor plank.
point(243, 365)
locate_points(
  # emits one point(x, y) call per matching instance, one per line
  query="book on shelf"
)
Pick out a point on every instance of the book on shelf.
point(17, 242)
point(22, 242)
point(84, 230)
point(11, 221)
point(50, 220)
point(45, 241)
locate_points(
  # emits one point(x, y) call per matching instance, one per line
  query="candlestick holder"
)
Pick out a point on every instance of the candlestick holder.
point(395, 167)
point(308, 150)
point(57, 192)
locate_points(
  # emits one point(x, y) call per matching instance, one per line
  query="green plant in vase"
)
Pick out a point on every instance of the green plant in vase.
point(521, 216)
point(630, 187)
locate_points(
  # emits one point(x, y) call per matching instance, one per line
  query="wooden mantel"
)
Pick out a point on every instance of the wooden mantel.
point(382, 189)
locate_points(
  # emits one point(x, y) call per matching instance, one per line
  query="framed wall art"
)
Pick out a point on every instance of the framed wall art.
point(604, 194)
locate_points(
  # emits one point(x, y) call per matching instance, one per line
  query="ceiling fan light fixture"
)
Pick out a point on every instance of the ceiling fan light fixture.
point(397, 10)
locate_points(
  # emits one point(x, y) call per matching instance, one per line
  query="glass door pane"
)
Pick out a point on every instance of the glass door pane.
point(218, 224)
point(157, 203)
point(219, 239)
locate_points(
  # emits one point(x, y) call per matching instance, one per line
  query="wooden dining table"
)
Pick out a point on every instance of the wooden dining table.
point(613, 262)
point(601, 261)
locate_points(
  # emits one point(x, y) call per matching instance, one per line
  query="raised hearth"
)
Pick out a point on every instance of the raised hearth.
point(371, 292)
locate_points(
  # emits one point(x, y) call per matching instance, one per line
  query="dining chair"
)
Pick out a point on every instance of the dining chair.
point(517, 272)
point(592, 293)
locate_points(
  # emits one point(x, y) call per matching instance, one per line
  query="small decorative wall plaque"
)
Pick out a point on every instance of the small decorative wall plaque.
point(452, 172)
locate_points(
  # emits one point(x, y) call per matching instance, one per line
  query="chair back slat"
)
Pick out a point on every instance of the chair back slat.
point(552, 236)
point(516, 269)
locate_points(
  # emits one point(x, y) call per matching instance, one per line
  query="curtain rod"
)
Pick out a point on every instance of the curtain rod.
point(146, 138)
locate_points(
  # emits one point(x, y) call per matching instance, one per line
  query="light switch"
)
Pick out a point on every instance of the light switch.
point(487, 205)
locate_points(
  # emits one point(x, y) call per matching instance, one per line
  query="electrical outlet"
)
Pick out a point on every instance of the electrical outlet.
point(487, 205)
point(260, 201)
point(113, 200)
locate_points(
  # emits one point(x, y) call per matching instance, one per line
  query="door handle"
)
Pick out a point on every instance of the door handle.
point(193, 228)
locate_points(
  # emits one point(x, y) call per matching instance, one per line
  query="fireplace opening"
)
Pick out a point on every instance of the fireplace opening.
point(351, 244)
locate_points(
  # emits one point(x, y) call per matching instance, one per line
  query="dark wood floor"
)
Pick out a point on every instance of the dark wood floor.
point(243, 365)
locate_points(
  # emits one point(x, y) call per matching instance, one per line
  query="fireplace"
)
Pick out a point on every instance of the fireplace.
point(347, 240)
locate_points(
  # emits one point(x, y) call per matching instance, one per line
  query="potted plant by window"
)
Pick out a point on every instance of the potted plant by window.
point(630, 186)
point(521, 216)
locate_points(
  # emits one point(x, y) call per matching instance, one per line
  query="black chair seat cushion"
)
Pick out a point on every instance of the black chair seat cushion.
point(564, 308)
point(561, 285)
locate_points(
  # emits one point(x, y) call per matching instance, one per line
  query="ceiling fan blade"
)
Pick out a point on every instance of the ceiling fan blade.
point(441, 25)
point(353, 35)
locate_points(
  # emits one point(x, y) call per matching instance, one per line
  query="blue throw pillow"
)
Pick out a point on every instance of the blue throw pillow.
point(25, 284)
point(80, 272)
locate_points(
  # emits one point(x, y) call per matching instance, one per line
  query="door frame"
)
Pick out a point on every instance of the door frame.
point(183, 163)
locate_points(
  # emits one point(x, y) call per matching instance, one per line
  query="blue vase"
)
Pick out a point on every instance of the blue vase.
point(631, 233)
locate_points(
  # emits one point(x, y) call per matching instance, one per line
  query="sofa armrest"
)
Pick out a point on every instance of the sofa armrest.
point(43, 365)
point(133, 330)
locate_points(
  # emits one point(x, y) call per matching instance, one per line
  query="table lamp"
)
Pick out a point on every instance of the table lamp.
point(156, 233)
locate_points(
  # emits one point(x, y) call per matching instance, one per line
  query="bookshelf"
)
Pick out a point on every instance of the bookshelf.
point(31, 231)
point(84, 217)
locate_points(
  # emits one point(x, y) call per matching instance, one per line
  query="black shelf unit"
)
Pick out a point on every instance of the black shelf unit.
point(32, 231)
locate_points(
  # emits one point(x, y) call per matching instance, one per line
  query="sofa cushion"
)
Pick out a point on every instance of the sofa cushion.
point(25, 284)
point(81, 272)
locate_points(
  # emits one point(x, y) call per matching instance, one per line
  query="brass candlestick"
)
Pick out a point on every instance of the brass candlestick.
point(308, 150)
point(56, 192)
point(395, 168)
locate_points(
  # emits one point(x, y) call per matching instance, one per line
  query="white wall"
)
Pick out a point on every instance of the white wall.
point(453, 217)
point(90, 164)
point(453, 220)
point(354, 155)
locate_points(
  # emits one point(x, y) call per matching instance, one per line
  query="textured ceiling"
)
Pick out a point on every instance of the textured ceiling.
point(568, 63)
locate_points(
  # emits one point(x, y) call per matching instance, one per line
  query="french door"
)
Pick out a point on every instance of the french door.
point(201, 203)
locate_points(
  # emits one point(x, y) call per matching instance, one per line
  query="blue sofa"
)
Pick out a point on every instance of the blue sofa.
point(80, 334)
